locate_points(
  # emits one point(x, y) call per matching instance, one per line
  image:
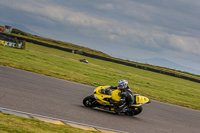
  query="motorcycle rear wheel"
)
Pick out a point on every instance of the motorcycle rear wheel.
point(89, 101)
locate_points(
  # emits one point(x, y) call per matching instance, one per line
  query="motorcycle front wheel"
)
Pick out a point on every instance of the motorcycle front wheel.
point(137, 110)
point(134, 111)
point(89, 101)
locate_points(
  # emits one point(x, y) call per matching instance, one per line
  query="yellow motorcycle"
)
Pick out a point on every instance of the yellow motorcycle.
point(106, 100)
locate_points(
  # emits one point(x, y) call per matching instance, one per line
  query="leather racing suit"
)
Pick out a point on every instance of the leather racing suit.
point(127, 98)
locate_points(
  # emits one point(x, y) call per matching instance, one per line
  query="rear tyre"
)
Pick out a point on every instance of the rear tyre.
point(89, 101)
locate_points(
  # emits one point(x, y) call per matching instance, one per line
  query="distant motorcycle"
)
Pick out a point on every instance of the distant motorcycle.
point(83, 60)
point(101, 99)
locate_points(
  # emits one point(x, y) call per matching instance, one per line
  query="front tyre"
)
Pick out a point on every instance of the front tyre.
point(137, 110)
point(89, 101)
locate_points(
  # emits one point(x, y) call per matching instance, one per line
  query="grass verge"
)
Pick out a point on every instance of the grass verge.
point(16, 124)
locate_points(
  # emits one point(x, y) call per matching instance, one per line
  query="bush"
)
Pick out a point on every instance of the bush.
point(23, 44)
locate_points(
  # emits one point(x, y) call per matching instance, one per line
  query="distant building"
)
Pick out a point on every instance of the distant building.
point(2, 29)
point(7, 29)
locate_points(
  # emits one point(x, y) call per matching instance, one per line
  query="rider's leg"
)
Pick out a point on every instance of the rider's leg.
point(119, 106)
point(129, 102)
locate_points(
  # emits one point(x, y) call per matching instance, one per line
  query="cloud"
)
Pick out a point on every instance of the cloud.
point(58, 13)
point(185, 44)
point(106, 6)
point(151, 25)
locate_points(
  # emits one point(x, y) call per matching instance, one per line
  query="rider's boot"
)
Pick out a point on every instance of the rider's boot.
point(120, 108)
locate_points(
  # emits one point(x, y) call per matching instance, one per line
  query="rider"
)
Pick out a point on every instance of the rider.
point(126, 95)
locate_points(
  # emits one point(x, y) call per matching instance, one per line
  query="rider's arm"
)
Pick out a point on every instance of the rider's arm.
point(108, 89)
point(123, 95)
point(113, 87)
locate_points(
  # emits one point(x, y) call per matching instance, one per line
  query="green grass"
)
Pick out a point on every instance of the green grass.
point(95, 52)
point(15, 124)
point(176, 73)
point(66, 65)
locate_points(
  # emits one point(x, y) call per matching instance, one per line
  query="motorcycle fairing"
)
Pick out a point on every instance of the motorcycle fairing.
point(116, 95)
point(100, 95)
point(102, 98)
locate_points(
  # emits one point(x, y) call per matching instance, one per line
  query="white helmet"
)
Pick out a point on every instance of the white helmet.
point(122, 84)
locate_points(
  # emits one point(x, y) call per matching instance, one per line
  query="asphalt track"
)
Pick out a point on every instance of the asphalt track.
point(48, 96)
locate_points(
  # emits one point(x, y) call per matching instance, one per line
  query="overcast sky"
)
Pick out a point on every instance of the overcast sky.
point(138, 29)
